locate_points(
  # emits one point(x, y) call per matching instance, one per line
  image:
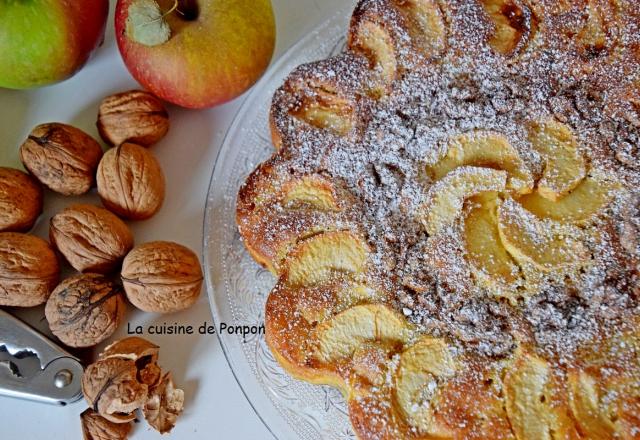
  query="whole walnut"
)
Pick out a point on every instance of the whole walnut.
point(91, 238)
point(130, 182)
point(162, 277)
point(29, 270)
point(96, 427)
point(63, 158)
point(84, 310)
point(135, 116)
point(20, 200)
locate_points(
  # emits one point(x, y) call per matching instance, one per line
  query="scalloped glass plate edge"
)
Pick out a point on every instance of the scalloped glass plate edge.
point(237, 287)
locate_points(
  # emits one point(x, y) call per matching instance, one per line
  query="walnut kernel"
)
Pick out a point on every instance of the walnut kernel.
point(96, 427)
point(135, 116)
point(162, 277)
point(91, 238)
point(63, 158)
point(84, 310)
point(130, 182)
point(20, 200)
point(29, 270)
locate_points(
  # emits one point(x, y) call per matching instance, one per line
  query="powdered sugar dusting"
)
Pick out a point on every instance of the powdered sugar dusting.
point(382, 160)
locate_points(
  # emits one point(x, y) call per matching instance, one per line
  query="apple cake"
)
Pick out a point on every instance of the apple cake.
point(452, 214)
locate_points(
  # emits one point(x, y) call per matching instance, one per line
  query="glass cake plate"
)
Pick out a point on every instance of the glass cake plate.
point(238, 287)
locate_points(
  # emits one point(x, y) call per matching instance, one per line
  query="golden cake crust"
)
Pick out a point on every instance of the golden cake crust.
point(452, 214)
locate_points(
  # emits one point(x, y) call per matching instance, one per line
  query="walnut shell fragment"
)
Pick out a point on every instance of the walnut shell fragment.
point(91, 238)
point(135, 116)
point(130, 182)
point(20, 200)
point(84, 310)
point(133, 348)
point(63, 158)
point(164, 405)
point(96, 427)
point(112, 389)
point(29, 270)
point(162, 277)
point(142, 352)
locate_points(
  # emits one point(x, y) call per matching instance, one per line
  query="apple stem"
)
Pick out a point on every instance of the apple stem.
point(155, 20)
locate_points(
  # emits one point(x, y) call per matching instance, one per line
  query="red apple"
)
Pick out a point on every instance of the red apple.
point(45, 41)
point(196, 53)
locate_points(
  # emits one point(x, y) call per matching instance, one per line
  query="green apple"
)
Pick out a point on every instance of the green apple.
point(196, 53)
point(46, 41)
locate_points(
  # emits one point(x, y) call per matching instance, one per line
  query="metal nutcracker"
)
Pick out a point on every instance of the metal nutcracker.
point(32, 367)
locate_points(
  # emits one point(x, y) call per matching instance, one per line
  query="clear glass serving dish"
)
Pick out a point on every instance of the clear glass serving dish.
point(238, 287)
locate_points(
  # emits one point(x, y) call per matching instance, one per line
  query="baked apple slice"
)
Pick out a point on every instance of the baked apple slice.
point(380, 34)
point(513, 25)
point(320, 302)
point(565, 166)
point(311, 191)
point(593, 36)
point(276, 210)
point(340, 336)
point(491, 263)
point(472, 404)
point(599, 34)
point(425, 25)
point(422, 367)
point(446, 198)
point(585, 201)
point(604, 395)
point(545, 245)
point(321, 256)
point(585, 404)
point(533, 401)
point(485, 149)
point(370, 362)
point(324, 108)
point(373, 40)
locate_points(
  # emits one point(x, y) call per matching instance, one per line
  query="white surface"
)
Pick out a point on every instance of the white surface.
point(215, 406)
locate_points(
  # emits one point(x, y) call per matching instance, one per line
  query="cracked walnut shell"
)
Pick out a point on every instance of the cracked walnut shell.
point(96, 427)
point(63, 158)
point(84, 310)
point(162, 277)
point(125, 378)
point(112, 389)
point(20, 200)
point(135, 116)
point(91, 238)
point(142, 352)
point(131, 182)
point(29, 270)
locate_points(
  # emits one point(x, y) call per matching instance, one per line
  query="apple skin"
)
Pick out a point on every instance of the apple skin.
point(46, 41)
point(206, 61)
